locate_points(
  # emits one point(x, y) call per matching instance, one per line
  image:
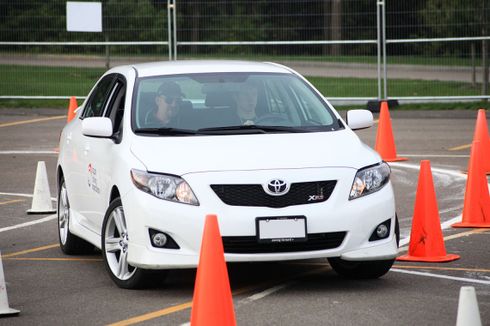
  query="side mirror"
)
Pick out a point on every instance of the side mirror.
point(359, 119)
point(97, 127)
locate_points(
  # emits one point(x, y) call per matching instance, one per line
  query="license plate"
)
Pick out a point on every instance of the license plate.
point(281, 229)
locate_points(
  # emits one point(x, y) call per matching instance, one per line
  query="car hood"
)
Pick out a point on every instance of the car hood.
point(189, 154)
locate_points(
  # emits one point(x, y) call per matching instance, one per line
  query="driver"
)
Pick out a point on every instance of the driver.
point(168, 101)
point(246, 102)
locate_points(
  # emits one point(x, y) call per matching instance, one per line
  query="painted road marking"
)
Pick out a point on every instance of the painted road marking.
point(23, 225)
point(27, 152)
point(186, 305)
point(462, 279)
point(56, 259)
point(16, 123)
point(28, 251)
point(11, 201)
point(265, 293)
point(479, 270)
point(458, 148)
point(435, 155)
point(22, 195)
point(453, 173)
point(405, 241)
point(153, 315)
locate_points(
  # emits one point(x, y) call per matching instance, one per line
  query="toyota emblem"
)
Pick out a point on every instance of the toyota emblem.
point(277, 187)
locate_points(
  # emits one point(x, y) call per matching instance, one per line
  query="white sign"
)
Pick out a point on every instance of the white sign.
point(83, 16)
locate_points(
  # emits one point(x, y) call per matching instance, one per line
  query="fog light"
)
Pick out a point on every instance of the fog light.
point(159, 240)
point(382, 231)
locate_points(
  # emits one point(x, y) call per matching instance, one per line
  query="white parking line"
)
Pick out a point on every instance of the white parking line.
point(263, 294)
point(445, 225)
point(22, 225)
point(21, 195)
point(453, 173)
point(462, 279)
point(435, 155)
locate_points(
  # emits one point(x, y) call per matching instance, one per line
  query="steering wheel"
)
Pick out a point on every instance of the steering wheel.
point(272, 118)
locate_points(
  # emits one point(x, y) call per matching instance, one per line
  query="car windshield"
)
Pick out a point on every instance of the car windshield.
point(228, 103)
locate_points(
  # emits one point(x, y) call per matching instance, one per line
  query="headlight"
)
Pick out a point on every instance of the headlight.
point(369, 180)
point(164, 186)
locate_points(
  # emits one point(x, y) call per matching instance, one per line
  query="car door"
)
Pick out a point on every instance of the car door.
point(81, 190)
point(101, 153)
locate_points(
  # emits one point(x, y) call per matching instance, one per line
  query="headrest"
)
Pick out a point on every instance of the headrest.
point(219, 99)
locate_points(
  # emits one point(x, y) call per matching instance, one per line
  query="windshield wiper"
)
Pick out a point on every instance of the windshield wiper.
point(165, 131)
point(251, 129)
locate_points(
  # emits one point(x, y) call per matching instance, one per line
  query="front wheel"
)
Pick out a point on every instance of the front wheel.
point(361, 269)
point(115, 251)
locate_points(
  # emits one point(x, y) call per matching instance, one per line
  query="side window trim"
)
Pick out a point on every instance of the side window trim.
point(110, 99)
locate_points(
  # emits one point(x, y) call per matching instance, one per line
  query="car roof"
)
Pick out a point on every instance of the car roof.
point(205, 66)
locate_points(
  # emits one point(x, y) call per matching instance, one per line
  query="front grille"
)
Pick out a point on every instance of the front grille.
point(249, 245)
point(254, 194)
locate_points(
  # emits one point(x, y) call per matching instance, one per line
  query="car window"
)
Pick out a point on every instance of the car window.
point(96, 102)
point(222, 100)
point(115, 108)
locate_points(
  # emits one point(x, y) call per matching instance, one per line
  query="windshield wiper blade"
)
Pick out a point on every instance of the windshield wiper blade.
point(252, 128)
point(165, 131)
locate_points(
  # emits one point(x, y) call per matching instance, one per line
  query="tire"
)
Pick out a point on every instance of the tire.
point(361, 269)
point(70, 244)
point(115, 252)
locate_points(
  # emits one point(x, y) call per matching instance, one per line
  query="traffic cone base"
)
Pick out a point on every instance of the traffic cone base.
point(396, 159)
point(436, 259)
point(470, 225)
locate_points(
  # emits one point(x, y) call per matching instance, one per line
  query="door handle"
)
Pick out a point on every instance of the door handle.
point(86, 149)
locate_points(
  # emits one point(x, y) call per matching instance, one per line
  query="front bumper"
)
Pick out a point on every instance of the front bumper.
point(184, 223)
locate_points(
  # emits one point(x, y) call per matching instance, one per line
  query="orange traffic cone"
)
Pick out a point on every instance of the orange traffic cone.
point(481, 135)
point(212, 303)
point(426, 242)
point(385, 144)
point(71, 108)
point(476, 210)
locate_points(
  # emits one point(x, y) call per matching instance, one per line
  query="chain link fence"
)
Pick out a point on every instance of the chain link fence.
point(352, 50)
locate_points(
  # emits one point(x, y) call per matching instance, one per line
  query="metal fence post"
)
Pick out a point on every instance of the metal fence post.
point(169, 29)
point(383, 33)
point(174, 21)
point(378, 31)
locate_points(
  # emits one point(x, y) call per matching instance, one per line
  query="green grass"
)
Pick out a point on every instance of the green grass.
point(371, 59)
point(66, 81)
point(47, 81)
point(361, 87)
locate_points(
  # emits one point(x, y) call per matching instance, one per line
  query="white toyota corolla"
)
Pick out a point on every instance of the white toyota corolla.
point(155, 147)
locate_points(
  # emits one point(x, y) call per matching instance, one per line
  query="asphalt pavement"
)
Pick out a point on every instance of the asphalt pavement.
point(53, 289)
point(306, 68)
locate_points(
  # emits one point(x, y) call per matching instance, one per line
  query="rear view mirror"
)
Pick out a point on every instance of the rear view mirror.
point(359, 119)
point(97, 127)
